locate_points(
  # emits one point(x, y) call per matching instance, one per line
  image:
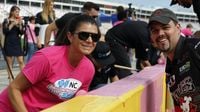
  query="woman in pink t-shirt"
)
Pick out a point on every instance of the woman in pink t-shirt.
point(57, 73)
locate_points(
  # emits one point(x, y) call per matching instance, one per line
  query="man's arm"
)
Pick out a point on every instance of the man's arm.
point(145, 63)
point(50, 28)
point(113, 79)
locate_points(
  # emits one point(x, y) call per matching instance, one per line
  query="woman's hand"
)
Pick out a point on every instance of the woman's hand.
point(39, 44)
point(15, 22)
point(18, 21)
point(81, 92)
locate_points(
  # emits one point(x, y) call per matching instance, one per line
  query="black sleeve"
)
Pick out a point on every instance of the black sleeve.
point(194, 52)
point(39, 20)
point(141, 52)
point(193, 43)
point(197, 47)
point(194, 46)
point(142, 47)
point(5, 26)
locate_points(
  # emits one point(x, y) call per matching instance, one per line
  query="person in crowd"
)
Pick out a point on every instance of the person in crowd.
point(32, 38)
point(89, 8)
point(103, 60)
point(57, 73)
point(187, 4)
point(12, 29)
point(196, 34)
point(114, 17)
point(43, 19)
point(129, 34)
point(187, 32)
point(121, 17)
point(183, 59)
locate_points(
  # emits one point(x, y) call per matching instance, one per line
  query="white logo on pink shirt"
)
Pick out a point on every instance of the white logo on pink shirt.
point(65, 88)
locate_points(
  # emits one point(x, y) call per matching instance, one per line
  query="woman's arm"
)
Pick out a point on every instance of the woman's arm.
point(7, 25)
point(114, 78)
point(15, 90)
point(145, 63)
point(50, 28)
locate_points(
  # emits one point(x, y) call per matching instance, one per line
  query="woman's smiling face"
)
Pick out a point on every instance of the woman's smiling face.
point(84, 46)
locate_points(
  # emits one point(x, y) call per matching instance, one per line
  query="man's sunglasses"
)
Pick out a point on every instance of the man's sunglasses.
point(85, 35)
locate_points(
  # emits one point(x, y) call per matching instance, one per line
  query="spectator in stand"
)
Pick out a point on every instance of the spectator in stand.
point(43, 19)
point(187, 32)
point(187, 4)
point(183, 59)
point(32, 38)
point(89, 8)
point(48, 77)
point(103, 60)
point(12, 29)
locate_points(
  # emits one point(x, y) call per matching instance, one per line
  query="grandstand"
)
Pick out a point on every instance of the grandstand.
point(31, 7)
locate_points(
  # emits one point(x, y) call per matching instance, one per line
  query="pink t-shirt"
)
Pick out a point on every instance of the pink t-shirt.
point(54, 80)
point(30, 33)
point(187, 32)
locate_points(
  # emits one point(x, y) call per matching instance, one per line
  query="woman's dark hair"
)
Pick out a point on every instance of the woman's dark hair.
point(13, 8)
point(72, 26)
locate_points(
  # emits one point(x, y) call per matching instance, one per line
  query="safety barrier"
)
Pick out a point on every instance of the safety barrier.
point(141, 92)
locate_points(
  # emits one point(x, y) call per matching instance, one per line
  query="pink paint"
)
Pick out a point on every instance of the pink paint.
point(151, 78)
